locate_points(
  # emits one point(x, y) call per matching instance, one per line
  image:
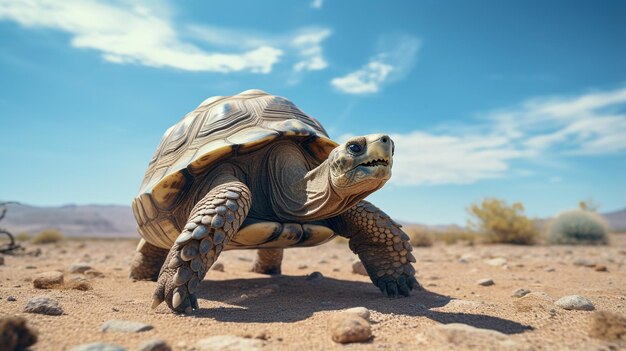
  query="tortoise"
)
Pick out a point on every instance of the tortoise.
point(252, 171)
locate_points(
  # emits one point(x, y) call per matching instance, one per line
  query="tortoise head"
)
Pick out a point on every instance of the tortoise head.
point(362, 164)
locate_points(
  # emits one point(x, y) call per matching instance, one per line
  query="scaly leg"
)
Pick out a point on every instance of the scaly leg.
point(147, 261)
point(382, 246)
point(213, 221)
point(268, 261)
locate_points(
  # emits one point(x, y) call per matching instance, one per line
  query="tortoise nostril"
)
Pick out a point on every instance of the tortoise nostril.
point(384, 139)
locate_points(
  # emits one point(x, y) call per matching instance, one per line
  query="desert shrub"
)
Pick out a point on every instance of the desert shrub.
point(48, 236)
point(454, 235)
point(419, 236)
point(578, 227)
point(497, 222)
point(22, 236)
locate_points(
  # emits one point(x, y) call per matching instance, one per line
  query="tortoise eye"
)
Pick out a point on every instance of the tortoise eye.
point(354, 148)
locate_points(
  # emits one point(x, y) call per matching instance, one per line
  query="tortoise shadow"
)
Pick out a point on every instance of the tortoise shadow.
point(293, 298)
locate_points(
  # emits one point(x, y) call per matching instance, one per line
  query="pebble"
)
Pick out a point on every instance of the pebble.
point(584, 262)
point(550, 269)
point(155, 345)
point(575, 302)
point(218, 266)
point(116, 325)
point(314, 276)
point(600, 268)
point(486, 282)
point(520, 292)
point(98, 346)
point(359, 268)
point(94, 273)
point(48, 280)
point(348, 328)
point(80, 268)
point(498, 261)
point(303, 266)
point(43, 305)
point(229, 343)
point(11, 298)
point(359, 311)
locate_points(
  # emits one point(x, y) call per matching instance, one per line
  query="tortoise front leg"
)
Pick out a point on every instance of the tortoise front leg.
point(381, 245)
point(213, 222)
point(268, 261)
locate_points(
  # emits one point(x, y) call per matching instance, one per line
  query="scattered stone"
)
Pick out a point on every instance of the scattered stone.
point(584, 262)
point(600, 268)
point(78, 283)
point(486, 282)
point(116, 325)
point(80, 267)
point(31, 267)
point(499, 261)
point(11, 298)
point(98, 346)
point(359, 268)
point(229, 343)
point(218, 266)
point(303, 266)
point(520, 292)
point(155, 345)
point(550, 269)
point(575, 302)
point(359, 311)
point(43, 305)
point(607, 325)
point(314, 276)
point(466, 337)
point(15, 334)
point(348, 328)
point(323, 262)
point(48, 280)
point(245, 259)
point(92, 273)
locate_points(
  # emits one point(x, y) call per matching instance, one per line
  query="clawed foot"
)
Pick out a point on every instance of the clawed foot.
point(394, 287)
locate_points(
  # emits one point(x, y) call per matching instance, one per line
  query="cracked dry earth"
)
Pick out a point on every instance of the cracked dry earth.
point(292, 312)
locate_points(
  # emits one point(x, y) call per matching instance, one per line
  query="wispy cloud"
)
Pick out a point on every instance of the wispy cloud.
point(317, 4)
point(588, 124)
point(147, 35)
point(393, 61)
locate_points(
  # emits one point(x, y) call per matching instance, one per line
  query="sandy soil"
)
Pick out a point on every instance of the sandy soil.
point(293, 312)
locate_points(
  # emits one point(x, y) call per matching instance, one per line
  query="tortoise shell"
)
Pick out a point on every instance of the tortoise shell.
point(219, 128)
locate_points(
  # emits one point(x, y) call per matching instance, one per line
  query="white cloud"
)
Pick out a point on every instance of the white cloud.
point(317, 4)
point(589, 124)
point(308, 46)
point(124, 33)
point(394, 60)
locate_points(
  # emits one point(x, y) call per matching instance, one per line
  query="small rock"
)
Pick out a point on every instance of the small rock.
point(245, 259)
point(607, 325)
point(78, 283)
point(466, 337)
point(600, 268)
point(218, 266)
point(43, 305)
point(499, 261)
point(31, 267)
point(229, 343)
point(314, 276)
point(584, 262)
point(347, 328)
point(575, 302)
point(359, 268)
point(323, 262)
point(550, 269)
point(15, 334)
point(520, 292)
point(155, 345)
point(116, 325)
point(486, 282)
point(98, 346)
point(94, 273)
point(48, 280)
point(359, 311)
point(303, 266)
point(11, 298)
point(80, 268)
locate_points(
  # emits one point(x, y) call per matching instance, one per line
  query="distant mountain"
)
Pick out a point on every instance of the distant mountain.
point(118, 221)
point(72, 220)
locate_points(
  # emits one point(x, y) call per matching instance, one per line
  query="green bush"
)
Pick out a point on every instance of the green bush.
point(22, 236)
point(497, 222)
point(578, 227)
point(48, 236)
point(419, 236)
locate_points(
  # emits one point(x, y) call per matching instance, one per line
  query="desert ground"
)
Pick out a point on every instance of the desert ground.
point(291, 312)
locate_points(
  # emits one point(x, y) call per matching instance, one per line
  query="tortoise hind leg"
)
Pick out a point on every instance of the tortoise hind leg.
point(213, 221)
point(147, 261)
point(268, 261)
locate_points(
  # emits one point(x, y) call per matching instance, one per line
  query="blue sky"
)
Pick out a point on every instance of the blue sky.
point(521, 100)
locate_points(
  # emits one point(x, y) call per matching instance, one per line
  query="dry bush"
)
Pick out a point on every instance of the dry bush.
point(578, 227)
point(454, 235)
point(48, 236)
point(497, 222)
point(419, 236)
point(22, 236)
